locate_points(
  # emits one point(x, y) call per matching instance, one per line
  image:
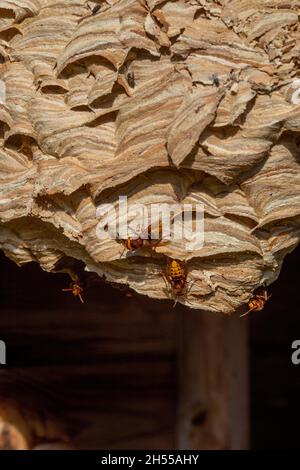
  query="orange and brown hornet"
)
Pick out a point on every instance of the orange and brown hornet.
point(257, 303)
point(175, 275)
point(76, 289)
point(143, 240)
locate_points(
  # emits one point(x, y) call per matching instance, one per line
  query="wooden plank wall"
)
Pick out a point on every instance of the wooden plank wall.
point(117, 372)
point(213, 382)
point(104, 371)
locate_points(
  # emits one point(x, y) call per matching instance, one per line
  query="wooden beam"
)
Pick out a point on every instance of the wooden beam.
point(213, 402)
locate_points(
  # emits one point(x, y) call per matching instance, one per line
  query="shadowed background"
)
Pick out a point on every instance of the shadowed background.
point(105, 374)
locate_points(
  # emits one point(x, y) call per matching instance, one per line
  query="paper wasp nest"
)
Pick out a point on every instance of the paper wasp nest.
point(162, 101)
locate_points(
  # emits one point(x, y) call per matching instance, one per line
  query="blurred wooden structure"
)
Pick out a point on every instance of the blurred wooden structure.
point(117, 372)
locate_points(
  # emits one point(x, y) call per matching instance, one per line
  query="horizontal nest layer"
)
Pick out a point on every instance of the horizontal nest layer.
point(177, 102)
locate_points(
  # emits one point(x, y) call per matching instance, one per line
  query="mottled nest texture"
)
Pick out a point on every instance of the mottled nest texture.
point(163, 101)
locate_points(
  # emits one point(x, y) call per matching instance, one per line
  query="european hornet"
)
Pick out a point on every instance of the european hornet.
point(76, 289)
point(176, 276)
point(257, 302)
point(133, 244)
point(142, 240)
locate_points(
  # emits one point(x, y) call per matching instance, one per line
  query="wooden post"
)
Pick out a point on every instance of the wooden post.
point(213, 401)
